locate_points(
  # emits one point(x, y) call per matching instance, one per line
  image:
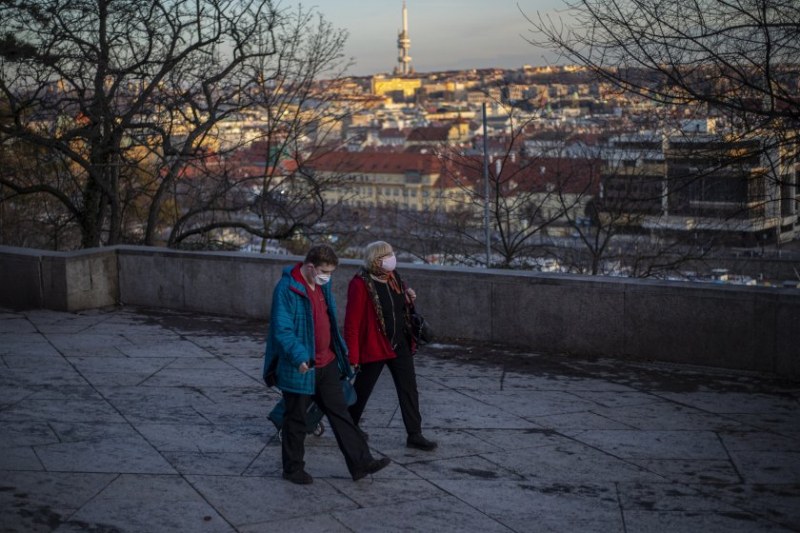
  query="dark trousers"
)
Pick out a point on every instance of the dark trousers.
point(330, 399)
point(405, 382)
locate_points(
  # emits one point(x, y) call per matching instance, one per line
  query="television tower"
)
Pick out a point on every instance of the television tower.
point(403, 45)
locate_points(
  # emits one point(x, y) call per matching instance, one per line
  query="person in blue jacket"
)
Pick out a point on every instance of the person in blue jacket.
point(305, 358)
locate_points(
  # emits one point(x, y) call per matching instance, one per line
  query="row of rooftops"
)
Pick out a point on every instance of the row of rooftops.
point(447, 170)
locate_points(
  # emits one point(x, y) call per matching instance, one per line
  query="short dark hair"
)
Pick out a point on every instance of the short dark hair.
point(321, 254)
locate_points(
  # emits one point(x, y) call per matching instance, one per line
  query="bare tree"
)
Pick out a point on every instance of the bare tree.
point(735, 61)
point(612, 233)
point(529, 195)
point(298, 116)
point(738, 57)
point(134, 98)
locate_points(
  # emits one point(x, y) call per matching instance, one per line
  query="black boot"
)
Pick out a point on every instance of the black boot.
point(421, 443)
point(371, 467)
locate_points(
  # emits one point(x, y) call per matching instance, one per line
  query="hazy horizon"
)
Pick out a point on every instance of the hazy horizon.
point(445, 34)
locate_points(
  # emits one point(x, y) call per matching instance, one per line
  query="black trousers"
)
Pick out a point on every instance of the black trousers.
point(405, 382)
point(330, 399)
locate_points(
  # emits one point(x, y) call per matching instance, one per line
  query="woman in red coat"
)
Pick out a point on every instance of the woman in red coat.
point(377, 333)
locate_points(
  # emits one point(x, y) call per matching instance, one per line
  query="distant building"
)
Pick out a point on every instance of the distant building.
point(410, 181)
point(555, 190)
point(436, 136)
point(551, 193)
point(392, 137)
point(398, 89)
point(701, 186)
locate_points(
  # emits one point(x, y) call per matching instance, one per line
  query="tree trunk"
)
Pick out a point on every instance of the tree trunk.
point(91, 219)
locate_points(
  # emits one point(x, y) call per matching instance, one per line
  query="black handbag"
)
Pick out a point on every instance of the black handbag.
point(420, 329)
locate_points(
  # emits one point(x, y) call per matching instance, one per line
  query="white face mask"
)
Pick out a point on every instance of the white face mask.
point(389, 263)
point(322, 279)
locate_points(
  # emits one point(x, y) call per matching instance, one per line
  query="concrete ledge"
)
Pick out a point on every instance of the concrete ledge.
point(234, 284)
point(748, 328)
point(21, 274)
point(64, 281)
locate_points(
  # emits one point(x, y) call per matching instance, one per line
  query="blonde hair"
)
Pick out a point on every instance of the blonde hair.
point(373, 251)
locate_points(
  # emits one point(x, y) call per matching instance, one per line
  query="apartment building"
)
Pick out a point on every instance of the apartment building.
point(555, 191)
point(407, 180)
point(738, 190)
point(400, 88)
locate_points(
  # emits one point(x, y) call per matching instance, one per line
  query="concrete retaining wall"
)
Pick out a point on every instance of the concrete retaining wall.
point(750, 328)
point(64, 281)
point(208, 282)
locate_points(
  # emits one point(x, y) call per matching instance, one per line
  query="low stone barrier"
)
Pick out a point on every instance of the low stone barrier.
point(66, 281)
point(729, 326)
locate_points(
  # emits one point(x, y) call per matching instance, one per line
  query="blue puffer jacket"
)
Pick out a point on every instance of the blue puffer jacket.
point(290, 340)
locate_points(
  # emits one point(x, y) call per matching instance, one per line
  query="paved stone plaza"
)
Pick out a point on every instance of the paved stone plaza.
point(132, 420)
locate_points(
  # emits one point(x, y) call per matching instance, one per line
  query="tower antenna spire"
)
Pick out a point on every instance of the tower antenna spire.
point(403, 46)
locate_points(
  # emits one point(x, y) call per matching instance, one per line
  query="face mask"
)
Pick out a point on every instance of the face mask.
point(389, 263)
point(321, 279)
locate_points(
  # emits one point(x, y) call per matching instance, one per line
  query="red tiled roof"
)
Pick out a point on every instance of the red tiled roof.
point(375, 162)
point(391, 133)
point(429, 134)
point(572, 176)
point(569, 175)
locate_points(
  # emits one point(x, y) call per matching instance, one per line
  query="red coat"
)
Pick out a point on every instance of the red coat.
point(365, 340)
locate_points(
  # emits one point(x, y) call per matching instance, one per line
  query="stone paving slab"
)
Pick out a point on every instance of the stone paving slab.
point(150, 503)
point(137, 420)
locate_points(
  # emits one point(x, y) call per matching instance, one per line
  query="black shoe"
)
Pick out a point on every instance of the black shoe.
point(377, 464)
point(299, 477)
point(421, 443)
point(371, 467)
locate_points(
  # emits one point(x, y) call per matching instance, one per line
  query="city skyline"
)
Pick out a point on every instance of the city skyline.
point(444, 34)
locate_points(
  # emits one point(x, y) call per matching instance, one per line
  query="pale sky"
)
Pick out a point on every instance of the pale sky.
point(445, 34)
